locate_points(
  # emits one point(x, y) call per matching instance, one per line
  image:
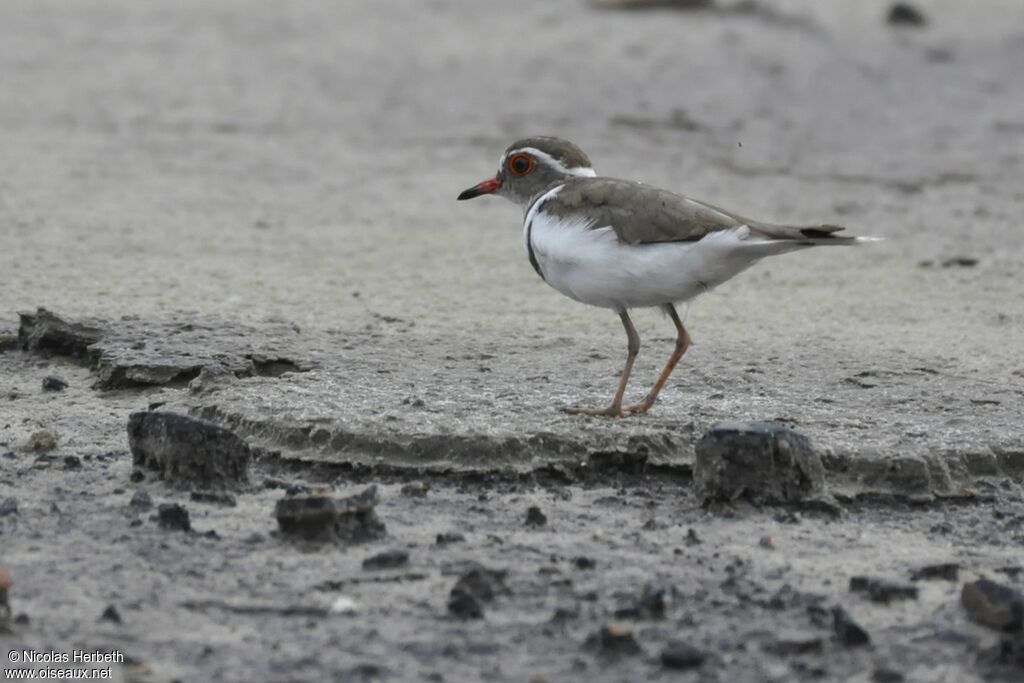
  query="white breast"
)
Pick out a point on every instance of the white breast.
point(592, 266)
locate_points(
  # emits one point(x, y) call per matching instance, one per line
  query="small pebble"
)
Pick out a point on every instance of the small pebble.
point(447, 537)
point(141, 500)
point(42, 441)
point(54, 383)
point(9, 506)
point(389, 559)
point(415, 489)
point(174, 517)
point(534, 517)
point(111, 614)
point(905, 14)
point(680, 655)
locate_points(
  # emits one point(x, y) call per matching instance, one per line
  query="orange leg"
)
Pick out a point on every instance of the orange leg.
point(633, 348)
point(682, 343)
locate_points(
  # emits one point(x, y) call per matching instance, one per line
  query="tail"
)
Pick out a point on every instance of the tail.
point(807, 235)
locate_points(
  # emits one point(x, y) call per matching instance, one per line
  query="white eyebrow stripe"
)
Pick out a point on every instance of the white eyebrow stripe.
point(581, 171)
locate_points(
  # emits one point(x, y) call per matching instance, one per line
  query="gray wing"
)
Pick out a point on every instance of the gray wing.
point(640, 213)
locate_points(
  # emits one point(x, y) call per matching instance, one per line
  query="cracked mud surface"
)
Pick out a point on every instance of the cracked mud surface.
point(252, 206)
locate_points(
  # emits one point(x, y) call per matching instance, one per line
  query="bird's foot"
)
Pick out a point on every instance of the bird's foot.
point(610, 411)
point(639, 408)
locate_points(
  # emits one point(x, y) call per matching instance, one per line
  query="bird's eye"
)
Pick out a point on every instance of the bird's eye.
point(520, 164)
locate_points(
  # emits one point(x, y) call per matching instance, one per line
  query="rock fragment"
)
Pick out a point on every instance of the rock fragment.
point(993, 604)
point(46, 331)
point(615, 639)
point(584, 563)
point(474, 587)
point(945, 571)
point(320, 518)
point(186, 451)
point(447, 537)
point(111, 614)
point(886, 675)
point(173, 517)
point(415, 489)
point(650, 604)
point(54, 383)
point(214, 498)
point(905, 14)
point(9, 506)
point(535, 517)
point(42, 441)
point(760, 462)
point(465, 606)
point(681, 655)
point(389, 559)
point(212, 377)
point(141, 500)
point(848, 632)
point(882, 590)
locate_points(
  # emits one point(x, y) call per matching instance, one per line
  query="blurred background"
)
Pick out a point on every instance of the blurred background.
point(300, 160)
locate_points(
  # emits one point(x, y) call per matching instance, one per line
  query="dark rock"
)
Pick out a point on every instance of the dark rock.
point(848, 632)
point(416, 489)
point(960, 262)
point(173, 517)
point(389, 559)
point(905, 14)
point(214, 498)
point(322, 518)
point(1009, 652)
point(692, 538)
point(447, 537)
point(475, 586)
point(650, 604)
point(465, 605)
point(882, 590)
point(42, 441)
point(946, 571)
point(534, 517)
point(72, 462)
point(615, 639)
point(885, 675)
point(45, 331)
point(54, 383)
point(680, 655)
point(761, 462)
point(186, 451)
point(111, 614)
point(994, 605)
point(484, 583)
point(792, 642)
point(584, 562)
point(9, 506)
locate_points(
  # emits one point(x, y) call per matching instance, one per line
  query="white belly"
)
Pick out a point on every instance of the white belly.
point(592, 266)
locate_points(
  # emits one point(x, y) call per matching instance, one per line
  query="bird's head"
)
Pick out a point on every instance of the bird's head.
point(532, 165)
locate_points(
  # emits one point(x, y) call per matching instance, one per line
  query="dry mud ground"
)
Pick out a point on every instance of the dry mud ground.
point(270, 187)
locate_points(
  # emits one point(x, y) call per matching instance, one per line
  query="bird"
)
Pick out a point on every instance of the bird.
point(621, 244)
